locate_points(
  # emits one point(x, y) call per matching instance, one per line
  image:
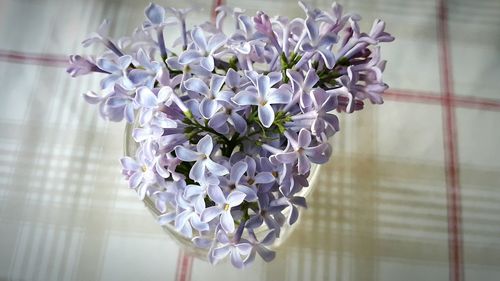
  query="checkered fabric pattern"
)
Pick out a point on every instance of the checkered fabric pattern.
point(411, 193)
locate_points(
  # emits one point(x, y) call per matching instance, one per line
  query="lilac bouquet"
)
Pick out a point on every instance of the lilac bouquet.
point(228, 125)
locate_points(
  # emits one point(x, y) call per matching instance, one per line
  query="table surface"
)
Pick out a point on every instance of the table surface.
point(411, 193)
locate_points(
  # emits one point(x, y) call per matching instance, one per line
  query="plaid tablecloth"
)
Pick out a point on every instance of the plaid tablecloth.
point(412, 191)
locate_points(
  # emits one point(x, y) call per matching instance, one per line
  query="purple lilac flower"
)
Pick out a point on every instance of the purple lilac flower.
point(209, 104)
point(303, 153)
point(229, 125)
point(202, 50)
point(260, 247)
point(202, 157)
point(263, 95)
point(230, 247)
point(80, 65)
point(223, 207)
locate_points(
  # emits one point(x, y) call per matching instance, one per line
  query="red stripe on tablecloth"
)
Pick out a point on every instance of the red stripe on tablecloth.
point(184, 265)
point(32, 58)
point(450, 149)
point(435, 98)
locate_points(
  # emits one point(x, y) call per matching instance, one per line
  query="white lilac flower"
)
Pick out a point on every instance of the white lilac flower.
point(147, 74)
point(202, 51)
point(223, 207)
point(235, 183)
point(209, 104)
point(228, 125)
point(263, 95)
point(141, 174)
point(316, 43)
point(117, 69)
point(302, 86)
point(302, 153)
point(260, 247)
point(229, 247)
point(82, 65)
point(202, 157)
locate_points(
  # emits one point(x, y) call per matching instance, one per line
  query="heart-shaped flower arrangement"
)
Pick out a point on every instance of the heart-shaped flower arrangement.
point(227, 125)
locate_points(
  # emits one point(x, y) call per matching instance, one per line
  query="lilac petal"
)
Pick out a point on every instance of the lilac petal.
point(319, 154)
point(304, 138)
point(130, 164)
point(220, 253)
point(186, 231)
point(270, 237)
point(274, 77)
point(328, 57)
point(196, 85)
point(232, 78)
point(166, 218)
point(192, 190)
point(222, 237)
point(145, 97)
point(245, 98)
point(201, 242)
point(235, 198)
point(295, 77)
point(264, 177)
point(215, 168)
point(188, 57)
point(263, 84)
point(216, 42)
point(240, 125)
point(227, 222)
point(185, 154)
point(207, 63)
point(266, 115)
point(108, 66)
point(299, 201)
point(199, 38)
point(208, 107)
point(182, 218)
point(251, 195)
point(327, 40)
point(137, 76)
point(311, 79)
point(244, 248)
point(216, 83)
point(129, 113)
point(135, 180)
point(155, 13)
point(215, 193)
point(265, 253)
point(294, 215)
point(279, 96)
point(308, 47)
point(288, 157)
point(205, 145)
point(174, 63)
point(197, 171)
point(198, 224)
point(236, 260)
point(210, 213)
point(218, 120)
point(250, 258)
point(254, 222)
point(237, 171)
point(312, 29)
point(304, 164)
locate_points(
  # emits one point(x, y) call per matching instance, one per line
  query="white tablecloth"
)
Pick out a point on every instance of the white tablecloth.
point(411, 193)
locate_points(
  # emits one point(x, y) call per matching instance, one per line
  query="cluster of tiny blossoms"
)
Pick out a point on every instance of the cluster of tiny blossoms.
point(229, 125)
